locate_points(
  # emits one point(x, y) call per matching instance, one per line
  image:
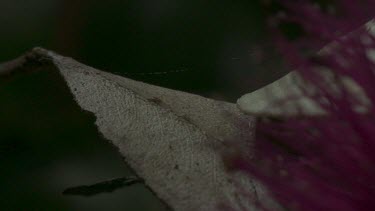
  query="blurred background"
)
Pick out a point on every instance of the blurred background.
point(47, 144)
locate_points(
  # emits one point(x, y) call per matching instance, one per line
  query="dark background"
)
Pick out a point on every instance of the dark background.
point(48, 144)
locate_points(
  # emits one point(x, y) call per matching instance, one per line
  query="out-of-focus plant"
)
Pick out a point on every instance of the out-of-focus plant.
point(322, 162)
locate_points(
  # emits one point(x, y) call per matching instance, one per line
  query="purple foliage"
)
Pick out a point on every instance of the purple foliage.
point(326, 162)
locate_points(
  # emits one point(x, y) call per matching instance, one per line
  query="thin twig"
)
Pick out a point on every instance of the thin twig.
point(102, 187)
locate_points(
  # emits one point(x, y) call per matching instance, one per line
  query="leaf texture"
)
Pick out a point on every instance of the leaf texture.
point(173, 140)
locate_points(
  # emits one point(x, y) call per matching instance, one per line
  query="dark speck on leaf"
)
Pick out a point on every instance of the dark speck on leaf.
point(155, 100)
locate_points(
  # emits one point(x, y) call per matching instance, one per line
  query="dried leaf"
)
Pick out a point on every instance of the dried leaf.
point(173, 140)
